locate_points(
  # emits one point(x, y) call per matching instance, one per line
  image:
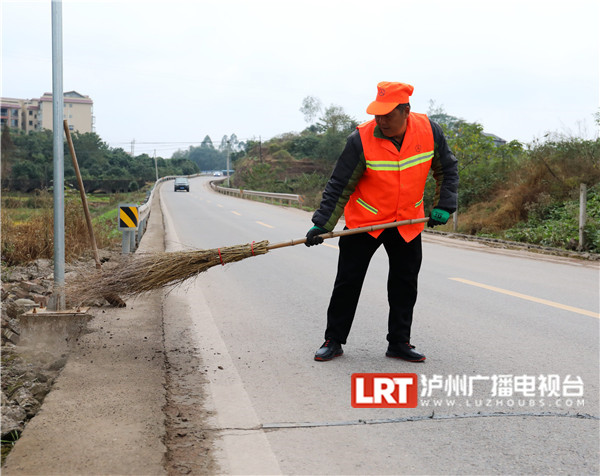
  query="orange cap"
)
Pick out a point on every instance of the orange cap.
point(389, 95)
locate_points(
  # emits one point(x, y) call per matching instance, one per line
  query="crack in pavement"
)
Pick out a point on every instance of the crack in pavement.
point(431, 417)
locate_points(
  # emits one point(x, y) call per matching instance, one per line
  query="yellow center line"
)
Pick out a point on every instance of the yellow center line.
point(264, 224)
point(331, 246)
point(529, 298)
point(236, 213)
point(219, 205)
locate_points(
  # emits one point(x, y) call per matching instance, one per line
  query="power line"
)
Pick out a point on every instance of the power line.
point(182, 142)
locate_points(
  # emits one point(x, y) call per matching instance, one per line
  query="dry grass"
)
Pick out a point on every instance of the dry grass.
point(26, 241)
point(33, 238)
point(551, 174)
point(141, 273)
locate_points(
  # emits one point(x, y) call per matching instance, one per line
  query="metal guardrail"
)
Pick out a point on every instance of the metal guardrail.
point(133, 237)
point(289, 198)
point(144, 213)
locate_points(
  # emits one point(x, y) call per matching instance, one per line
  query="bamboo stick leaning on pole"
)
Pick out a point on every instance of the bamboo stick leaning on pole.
point(112, 298)
point(146, 272)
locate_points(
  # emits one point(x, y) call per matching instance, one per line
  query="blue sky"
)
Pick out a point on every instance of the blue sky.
point(168, 73)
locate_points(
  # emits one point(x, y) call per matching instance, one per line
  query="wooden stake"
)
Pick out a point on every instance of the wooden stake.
point(86, 209)
point(113, 299)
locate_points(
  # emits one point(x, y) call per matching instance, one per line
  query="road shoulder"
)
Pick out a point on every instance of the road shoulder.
point(104, 414)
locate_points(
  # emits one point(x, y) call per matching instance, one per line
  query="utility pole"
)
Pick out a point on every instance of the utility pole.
point(582, 215)
point(155, 166)
point(260, 149)
point(133, 148)
point(58, 301)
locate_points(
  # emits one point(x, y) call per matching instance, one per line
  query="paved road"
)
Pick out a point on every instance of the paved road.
point(523, 328)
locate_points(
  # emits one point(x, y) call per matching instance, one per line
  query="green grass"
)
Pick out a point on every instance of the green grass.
point(557, 224)
point(9, 443)
point(22, 205)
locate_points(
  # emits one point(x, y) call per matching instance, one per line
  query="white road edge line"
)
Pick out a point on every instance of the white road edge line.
point(236, 453)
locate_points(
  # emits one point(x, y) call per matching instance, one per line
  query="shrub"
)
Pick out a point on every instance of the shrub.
point(557, 224)
point(282, 155)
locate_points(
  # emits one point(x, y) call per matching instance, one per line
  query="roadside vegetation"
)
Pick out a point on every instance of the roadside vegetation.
point(527, 193)
point(27, 164)
point(28, 224)
point(508, 190)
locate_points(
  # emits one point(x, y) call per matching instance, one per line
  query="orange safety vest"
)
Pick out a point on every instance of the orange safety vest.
point(393, 184)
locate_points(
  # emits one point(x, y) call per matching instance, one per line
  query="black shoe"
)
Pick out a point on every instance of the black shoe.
point(404, 351)
point(329, 350)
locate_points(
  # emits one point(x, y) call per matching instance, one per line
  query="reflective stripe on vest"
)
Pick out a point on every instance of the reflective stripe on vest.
point(386, 165)
point(361, 202)
point(393, 184)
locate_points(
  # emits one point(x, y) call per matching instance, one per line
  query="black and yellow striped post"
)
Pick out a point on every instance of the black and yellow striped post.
point(128, 223)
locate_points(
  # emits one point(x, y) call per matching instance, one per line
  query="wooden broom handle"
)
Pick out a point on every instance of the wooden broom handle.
point(353, 231)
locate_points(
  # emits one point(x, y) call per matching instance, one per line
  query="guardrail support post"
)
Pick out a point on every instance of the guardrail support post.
point(125, 243)
point(132, 234)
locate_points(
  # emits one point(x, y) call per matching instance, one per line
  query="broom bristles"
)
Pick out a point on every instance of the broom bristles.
point(147, 272)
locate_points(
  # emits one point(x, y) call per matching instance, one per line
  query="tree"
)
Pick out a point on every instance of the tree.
point(32, 156)
point(207, 157)
point(304, 145)
point(181, 154)
point(482, 166)
point(207, 143)
point(234, 143)
point(224, 144)
point(334, 119)
point(91, 152)
point(437, 114)
point(7, 149)
point(26, 171)
point(311, 107)
point(331, 144)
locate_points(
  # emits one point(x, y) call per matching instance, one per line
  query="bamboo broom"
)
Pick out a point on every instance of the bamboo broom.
point(147, 272)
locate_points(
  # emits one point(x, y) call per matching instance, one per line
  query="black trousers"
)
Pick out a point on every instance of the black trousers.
point(356, 252)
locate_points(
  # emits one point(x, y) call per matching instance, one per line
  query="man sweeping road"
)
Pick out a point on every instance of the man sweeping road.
point(380, 178)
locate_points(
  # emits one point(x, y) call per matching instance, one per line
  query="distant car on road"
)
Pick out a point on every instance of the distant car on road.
point(182, 183)
point(217, 174)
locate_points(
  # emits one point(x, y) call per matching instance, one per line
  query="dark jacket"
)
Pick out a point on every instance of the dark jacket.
point(351, 165)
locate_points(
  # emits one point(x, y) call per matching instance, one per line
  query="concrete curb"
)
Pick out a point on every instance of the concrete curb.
point(515, 245)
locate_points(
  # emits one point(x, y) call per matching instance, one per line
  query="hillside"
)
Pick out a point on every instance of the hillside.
point(527, 194)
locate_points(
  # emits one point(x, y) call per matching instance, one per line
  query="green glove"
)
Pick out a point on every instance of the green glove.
point(438, 217)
